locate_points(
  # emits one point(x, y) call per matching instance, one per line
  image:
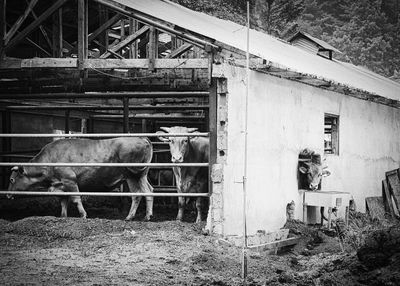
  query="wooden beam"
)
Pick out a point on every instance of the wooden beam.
point(125, 42)
point(42, 29)
point(57, 34)
point(104, 27)
point(38, 63)
point(153, 47)
point(19, 22)
point(163, 26)
point(35, 24)
point(81, 32)
point(2, 27)
point(133, 27)
point(179, 51)
point(103, 63)
point(144, 63)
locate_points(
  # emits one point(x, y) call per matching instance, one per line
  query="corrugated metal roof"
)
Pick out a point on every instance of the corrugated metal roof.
point(279, 53)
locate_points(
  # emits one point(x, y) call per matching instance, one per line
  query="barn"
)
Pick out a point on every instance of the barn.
point(119, 66)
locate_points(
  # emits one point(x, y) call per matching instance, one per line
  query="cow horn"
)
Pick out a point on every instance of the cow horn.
point(190, 130)
point(166, 129)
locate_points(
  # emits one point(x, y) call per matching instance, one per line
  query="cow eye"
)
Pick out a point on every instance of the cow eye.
point(12, 180)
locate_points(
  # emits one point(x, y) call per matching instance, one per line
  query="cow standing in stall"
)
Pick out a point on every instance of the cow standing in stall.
point(311, 172)
point(74, 179)
point(191, 149)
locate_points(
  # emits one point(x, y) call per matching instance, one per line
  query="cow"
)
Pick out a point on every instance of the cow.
point(74, 179)
point(311, 172)
point(188, 149)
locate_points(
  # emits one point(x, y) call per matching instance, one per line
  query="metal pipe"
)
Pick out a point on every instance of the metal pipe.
point(105, 194)
point(96, 95)
point(106, 107)
point(140, 116)
point(49, 135)
point(244, 248)
point(153, 165)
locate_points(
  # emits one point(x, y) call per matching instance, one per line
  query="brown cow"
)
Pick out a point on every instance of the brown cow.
point(190, 149)
point(74, 179)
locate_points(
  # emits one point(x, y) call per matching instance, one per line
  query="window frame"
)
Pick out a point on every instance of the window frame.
point(334, 133)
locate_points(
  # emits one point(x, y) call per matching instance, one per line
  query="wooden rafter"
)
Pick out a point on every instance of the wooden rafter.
point(35, 24)
point(124, 43)
point(179, 51)
point(2, 26)
point(161, 25)
point(104, 27)
point(20, 21)
point(42, 29)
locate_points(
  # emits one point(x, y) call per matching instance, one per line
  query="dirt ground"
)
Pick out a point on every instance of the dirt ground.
point(48, 250)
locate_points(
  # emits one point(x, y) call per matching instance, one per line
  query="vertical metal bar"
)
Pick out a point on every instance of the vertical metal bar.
point(57, 34)
point(66, 126)
point(244, 251)
point(125, 101)
point(103, 37)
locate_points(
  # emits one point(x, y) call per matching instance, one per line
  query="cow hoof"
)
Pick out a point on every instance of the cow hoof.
point(147, 218)
point(128, 218)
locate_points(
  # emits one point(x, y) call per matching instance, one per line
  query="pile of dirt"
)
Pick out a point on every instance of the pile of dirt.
point(53, 228)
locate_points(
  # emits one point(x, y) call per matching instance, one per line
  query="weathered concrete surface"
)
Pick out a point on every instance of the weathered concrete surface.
point(284, 118)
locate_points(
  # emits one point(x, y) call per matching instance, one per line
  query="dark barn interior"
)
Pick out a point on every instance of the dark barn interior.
point(82, 66)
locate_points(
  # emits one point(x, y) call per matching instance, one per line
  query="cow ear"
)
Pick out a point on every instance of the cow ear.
point(303, 170)
point(325, 172)
point(14, 169)
point(190, 130)
point(166, 129)
point(162, 138)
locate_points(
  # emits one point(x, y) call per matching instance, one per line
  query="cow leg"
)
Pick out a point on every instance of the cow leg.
point(181, 208)
point(64, 207)
point(149, 201)
point(198, 207)
point(133, 187)
point(71, 186)
point(77, 200)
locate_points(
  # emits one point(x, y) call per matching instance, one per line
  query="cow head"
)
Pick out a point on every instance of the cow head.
point(314, 173)
point(179, 146)
point(23, 179)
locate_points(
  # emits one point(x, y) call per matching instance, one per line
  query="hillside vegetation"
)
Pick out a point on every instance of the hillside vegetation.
point(366, 31)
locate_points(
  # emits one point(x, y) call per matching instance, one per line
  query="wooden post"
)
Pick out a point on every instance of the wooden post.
point(57, 34)
point(153, 50)
point(82, 35)
point(125, 101)
point(2, 27)
point(103, 38)
point(6, 144)
point(212, 127)
point(133, 27)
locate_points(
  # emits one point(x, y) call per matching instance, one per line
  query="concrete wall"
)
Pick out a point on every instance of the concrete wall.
point(284, 118)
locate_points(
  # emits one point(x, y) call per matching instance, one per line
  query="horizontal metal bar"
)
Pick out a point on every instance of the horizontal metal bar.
point(96, 95)
point(49, 135)
point(152, 165)
point(140, 116)
point(115, 107)
point(105, 194)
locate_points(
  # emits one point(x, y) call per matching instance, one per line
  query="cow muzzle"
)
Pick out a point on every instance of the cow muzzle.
point(177, 159)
